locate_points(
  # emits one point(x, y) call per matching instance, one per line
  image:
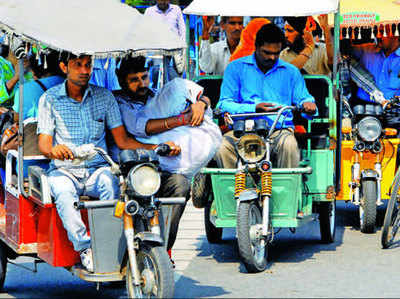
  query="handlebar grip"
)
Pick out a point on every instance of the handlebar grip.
point(163, 149)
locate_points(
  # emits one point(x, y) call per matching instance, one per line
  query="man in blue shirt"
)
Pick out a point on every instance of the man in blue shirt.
point(72, 114)
point(263, 83)
point(383, 62)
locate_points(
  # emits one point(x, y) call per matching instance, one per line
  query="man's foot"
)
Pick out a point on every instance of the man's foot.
point(87, 259)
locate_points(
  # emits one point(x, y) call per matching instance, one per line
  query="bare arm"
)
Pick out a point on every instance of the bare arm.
point(323, 21)
point(123, 141)
point(59, 152)
point(306, 53)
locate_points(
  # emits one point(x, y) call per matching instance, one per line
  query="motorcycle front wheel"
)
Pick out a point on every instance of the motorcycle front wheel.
point(252, 248)
point(157, 275)
point(367, 208)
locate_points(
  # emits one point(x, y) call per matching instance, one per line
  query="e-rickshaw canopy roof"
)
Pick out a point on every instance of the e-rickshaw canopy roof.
point(94, 27)
point(356, 14)
point(254, 8)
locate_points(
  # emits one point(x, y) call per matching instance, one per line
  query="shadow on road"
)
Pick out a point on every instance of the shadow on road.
point(288, 247)
point(189, 288)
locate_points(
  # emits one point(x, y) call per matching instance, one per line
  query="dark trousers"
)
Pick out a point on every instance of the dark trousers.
point(174, 185)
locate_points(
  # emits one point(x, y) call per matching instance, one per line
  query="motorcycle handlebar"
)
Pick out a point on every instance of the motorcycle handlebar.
point(163, 149)
point(172, 200)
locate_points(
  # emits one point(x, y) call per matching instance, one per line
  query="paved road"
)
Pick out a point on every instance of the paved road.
point(299, 266)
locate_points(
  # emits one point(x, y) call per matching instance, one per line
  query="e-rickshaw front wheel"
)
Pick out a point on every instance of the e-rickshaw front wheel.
point(392, 216)
point(252, 246)
point(156, 272)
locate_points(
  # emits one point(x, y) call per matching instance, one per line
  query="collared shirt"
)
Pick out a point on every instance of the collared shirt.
point(172, 16)
point(386, 72)
point(317, 64)
point(32, 93)
point(245, 86)
point(214, 58)
point(74, 123)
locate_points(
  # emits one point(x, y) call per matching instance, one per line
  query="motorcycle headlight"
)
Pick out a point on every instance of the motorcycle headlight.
point(144, 180)
point(369, 129)
point(251, 148)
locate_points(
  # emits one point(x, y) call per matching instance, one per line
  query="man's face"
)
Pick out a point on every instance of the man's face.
point(268, 54)
point(163, 4)
point(233, 27)
point(78, 70)
point(386, 43)
point(138, 84)
point(291, 34)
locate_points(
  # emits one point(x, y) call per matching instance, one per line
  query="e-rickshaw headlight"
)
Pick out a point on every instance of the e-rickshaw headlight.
point(144, 180)
point(251, 148)
point(369, 129)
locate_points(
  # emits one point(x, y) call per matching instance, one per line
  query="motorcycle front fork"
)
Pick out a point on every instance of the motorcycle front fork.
point(129, 231)
point(356, 180)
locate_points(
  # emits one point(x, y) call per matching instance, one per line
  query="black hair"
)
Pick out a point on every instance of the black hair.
point(48, 64)
point(130, 65)
point(269, 34)
point(67, 56)
point(4, 49)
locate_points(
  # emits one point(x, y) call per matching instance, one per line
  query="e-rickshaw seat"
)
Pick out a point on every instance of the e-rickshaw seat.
point(318, 87)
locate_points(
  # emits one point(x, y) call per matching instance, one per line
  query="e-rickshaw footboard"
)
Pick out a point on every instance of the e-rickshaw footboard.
point(289, 204)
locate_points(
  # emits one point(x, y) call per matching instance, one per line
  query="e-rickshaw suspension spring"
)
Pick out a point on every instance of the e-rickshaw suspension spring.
point(266, 183)
point(240, 183)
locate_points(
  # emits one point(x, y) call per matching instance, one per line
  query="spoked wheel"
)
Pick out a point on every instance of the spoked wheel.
point(252, 246)
point(392, 217)
point(3, 264)
point(156, 272)
point(367, 207)
point(213, 233)
point(327, 221)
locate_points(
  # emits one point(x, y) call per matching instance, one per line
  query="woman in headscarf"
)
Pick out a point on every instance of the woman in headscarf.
point(247, 46)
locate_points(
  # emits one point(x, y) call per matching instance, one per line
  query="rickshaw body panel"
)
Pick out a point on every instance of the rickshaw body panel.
point(286, 201)
point(322, 177)
point(368, 162)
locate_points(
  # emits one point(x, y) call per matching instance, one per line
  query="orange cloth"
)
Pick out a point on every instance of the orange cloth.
point(247, 46)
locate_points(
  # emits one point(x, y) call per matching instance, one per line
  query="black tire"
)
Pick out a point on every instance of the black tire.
point(367, 208)
point(201, 187)
point(155, 266)
point(3, 264)
point(392, 216)
point(214, 234)
point(327, 221)
point(252, 253)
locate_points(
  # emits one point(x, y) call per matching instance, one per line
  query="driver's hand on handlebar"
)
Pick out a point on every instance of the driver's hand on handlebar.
point(309, 108)
point(267, 107)
point(61, 152)
point(175, 149)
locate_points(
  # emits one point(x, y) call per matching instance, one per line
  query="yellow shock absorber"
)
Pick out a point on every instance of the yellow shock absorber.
point(240, 183)
point(266, 183)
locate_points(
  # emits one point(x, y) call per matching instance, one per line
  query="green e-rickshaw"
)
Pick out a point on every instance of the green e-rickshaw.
point(255, 198)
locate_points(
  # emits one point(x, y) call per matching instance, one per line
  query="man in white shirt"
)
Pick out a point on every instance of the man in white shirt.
point(172, 15)
point(215, 57)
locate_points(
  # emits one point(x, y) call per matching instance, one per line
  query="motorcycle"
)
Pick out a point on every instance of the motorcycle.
point(149, 271)
point(369, 150)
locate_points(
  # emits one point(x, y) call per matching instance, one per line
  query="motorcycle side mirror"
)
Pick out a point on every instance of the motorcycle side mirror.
point(238, 128)
point(261, 127)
